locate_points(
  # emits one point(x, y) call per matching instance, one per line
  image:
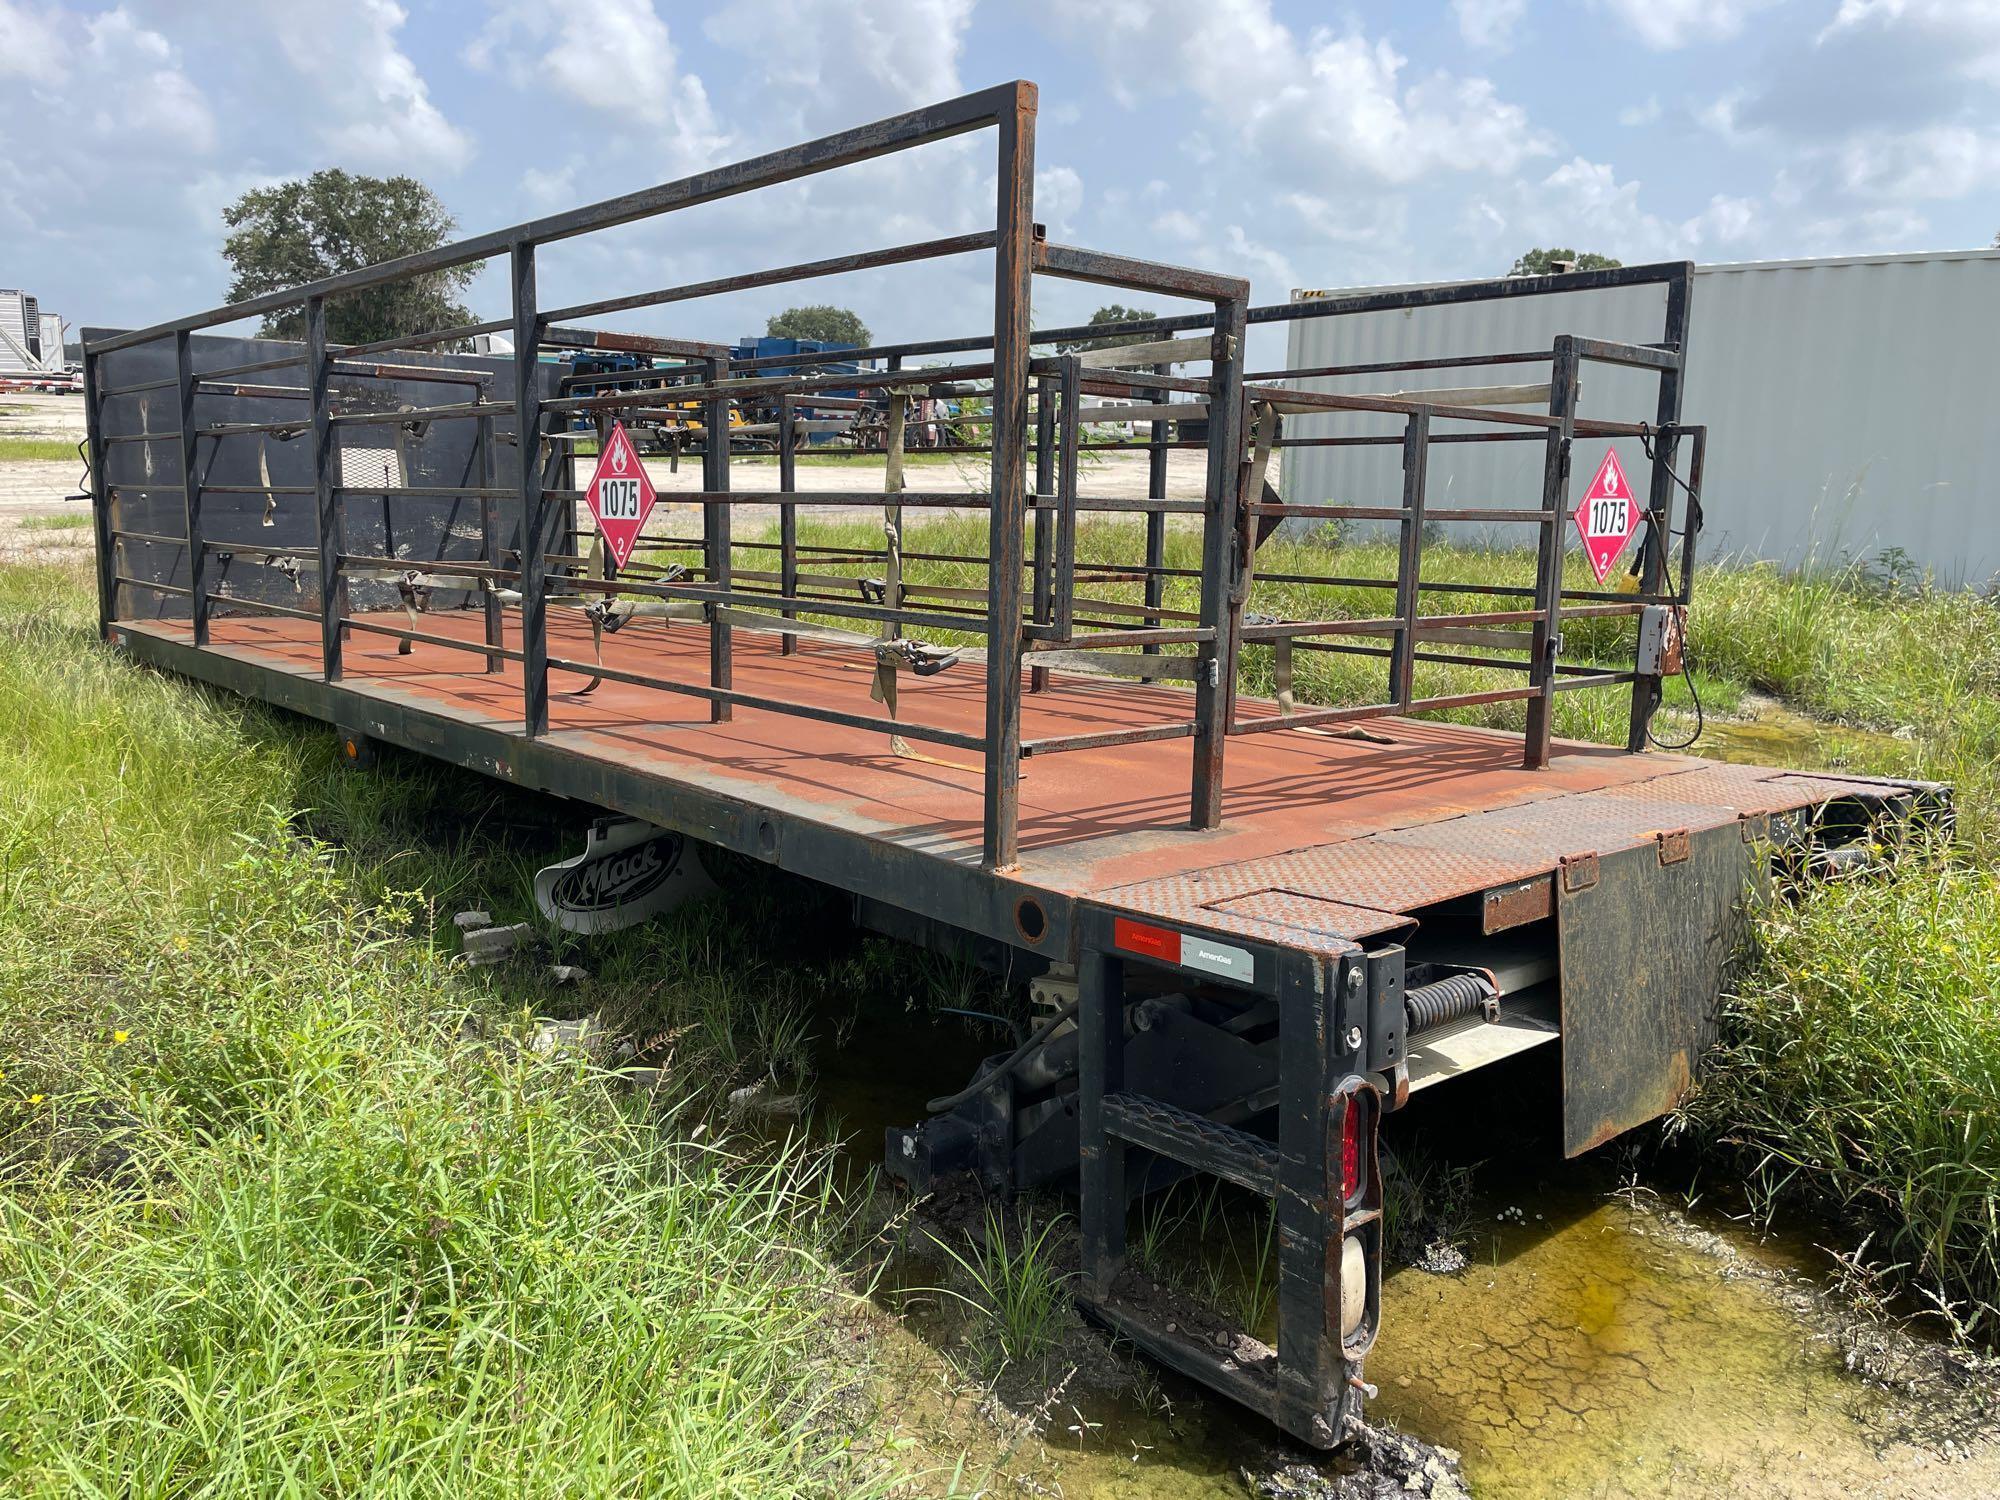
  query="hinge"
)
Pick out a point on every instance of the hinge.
point(1673, 844)
point(1579, 871)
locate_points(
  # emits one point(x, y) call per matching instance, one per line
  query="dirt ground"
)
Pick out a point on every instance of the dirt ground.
point(36, 488)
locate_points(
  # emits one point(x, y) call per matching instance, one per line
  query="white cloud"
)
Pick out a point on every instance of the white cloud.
point(1667, 24)
point(1174, 224)
point(1058, 197)
point(1641, 114)
point(1489, 24)
point(27, 41)
point(142, 98)
point(374, 109)
point(827, 67)
point(1308, 106)
point(1940, 161)
point(1584, 204)
point(1969, 28)
point(611, 55)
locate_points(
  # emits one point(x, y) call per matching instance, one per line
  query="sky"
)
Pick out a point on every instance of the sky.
point(1302, 145)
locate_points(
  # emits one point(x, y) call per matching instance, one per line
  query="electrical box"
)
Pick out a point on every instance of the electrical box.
point(1661, 627)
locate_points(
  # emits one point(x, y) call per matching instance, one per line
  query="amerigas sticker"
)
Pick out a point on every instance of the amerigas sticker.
point(628, 871)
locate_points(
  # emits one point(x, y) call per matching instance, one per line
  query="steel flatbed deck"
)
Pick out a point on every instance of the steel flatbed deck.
point(1330, 838)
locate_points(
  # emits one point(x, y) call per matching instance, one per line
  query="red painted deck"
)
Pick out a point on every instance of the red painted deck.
point(1324, 838)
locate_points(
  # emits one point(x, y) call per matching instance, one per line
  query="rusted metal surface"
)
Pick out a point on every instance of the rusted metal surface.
point(1643, 954)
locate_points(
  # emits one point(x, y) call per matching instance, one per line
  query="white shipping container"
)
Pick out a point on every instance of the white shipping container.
point(1849, 403)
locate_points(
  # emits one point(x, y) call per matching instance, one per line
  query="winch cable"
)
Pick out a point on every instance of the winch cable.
point(1689, 530)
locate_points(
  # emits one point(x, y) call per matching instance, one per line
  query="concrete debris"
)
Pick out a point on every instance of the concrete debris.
point(585, 1034)
point(568, 973)
point(467, 921)
point(493, 945)
point(755, 1098)
point(1378, 1463)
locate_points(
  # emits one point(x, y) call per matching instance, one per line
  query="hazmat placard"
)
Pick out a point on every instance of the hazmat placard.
point(1606, 516)
point(620, 494)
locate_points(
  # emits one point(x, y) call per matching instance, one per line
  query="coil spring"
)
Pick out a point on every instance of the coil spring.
point(1432, 1005)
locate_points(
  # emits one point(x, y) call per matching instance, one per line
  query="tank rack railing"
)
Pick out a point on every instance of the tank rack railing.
point(1032, 604)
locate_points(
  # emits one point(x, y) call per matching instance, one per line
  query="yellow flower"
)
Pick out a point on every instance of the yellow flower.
point(34, 1098)
point(181, 944)
point(120, 1038)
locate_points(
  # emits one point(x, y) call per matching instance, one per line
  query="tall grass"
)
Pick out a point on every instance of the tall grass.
point(1860, 1067)
point(284, 1205)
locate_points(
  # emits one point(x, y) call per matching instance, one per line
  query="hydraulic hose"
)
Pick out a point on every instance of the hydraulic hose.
point(1014, 1060)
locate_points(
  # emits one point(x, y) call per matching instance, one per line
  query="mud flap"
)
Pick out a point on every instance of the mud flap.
point(1647, 936)
point(628, 871)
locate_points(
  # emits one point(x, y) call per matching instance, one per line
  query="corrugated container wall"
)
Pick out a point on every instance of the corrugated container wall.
point(1850, 405)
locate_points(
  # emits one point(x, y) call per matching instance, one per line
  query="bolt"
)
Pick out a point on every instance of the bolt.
point(1354, 1039)
point(1354, 979)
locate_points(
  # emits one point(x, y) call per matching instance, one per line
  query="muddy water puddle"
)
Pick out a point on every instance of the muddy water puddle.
point(1593, 1345)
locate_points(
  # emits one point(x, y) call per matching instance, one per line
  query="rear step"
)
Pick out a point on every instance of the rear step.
point(1235, 1155)
point(1322, 1176)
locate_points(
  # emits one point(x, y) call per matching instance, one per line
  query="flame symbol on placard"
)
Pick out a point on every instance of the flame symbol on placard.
point(618, 454)
point(1610, 479)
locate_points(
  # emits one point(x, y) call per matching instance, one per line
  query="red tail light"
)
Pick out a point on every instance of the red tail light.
point(1350, 1151)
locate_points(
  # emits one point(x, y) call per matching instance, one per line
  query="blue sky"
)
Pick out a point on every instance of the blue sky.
point(1298, 144)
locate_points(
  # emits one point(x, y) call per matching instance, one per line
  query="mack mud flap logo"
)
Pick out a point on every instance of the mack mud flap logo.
point(627, 872)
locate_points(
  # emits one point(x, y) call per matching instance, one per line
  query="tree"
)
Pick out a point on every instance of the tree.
point(1111, 312)
point(334, 221)
point(822, 323)
point(1543, 262)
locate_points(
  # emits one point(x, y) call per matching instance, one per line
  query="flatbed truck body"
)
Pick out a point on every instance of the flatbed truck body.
point(1260, 925)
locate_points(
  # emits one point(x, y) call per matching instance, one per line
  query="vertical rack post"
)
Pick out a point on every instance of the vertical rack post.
point(534, 522)
point(1410, 556)
point(1221, 564)
point(1066, 456)
point(197, 546)
point(489, 540)
point(788, 516)
point(895, 433)
point(329, 534)
point(1660, 498)
point(1045, 485)
point(1546, 642)
point(1013, 277)
point(1156, 520)
point(715, 479)
point(103, 523)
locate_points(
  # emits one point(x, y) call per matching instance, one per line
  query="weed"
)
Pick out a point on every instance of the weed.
point(1017, 1285)
point(1860, 1066)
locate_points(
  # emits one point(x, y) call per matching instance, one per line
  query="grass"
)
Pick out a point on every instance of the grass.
point(15, 449)
point(1860, 1068)
point(1018, 1286)
point(285, 1205)
point(65, 522)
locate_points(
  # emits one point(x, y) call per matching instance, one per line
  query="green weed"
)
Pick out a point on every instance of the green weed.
point(1017, 1285)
